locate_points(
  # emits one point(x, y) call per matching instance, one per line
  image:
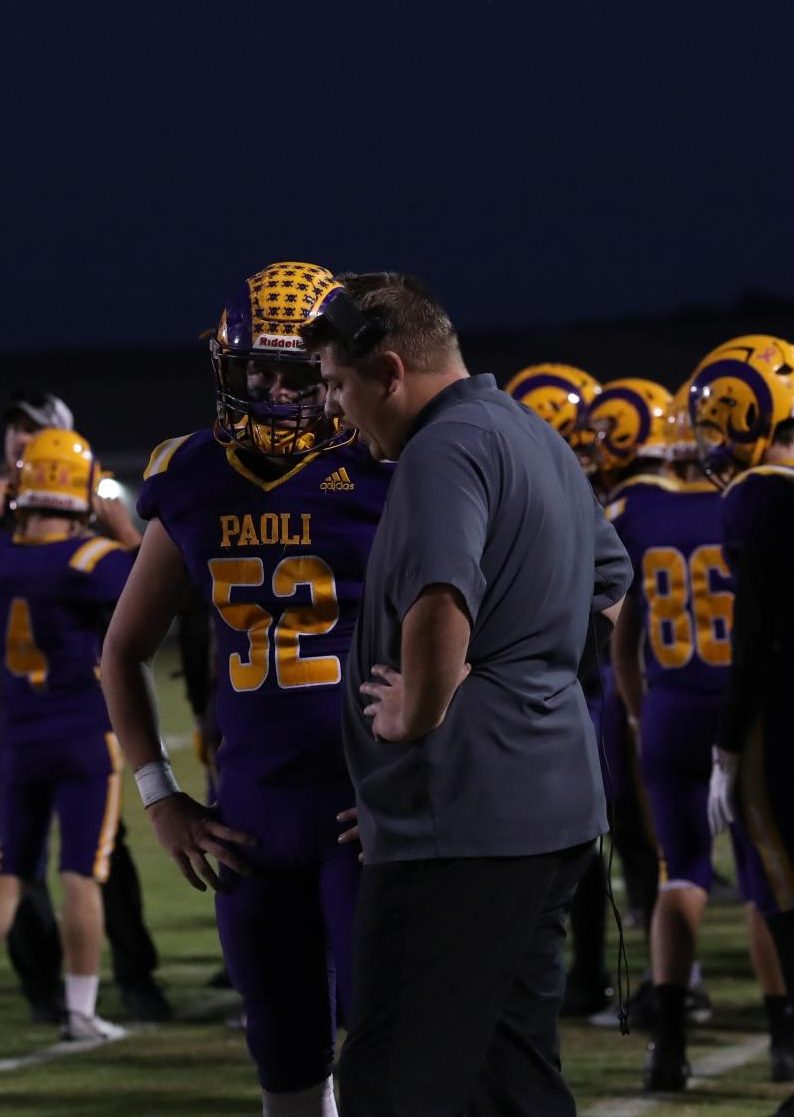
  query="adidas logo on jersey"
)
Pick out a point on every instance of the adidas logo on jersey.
point(338, 481)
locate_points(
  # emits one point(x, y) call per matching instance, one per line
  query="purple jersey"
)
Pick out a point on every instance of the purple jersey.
point(758, 523)
point(282, 563)
point(673, 534)
point(54, 596)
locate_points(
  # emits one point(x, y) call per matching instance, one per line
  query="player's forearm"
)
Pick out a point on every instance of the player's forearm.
point(435, 638)
point(128, 685)
point(626, 656)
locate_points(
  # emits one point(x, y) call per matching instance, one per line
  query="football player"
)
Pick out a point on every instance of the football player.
point(33, 942)
point(629, 421)
point(741, 407)
point(561, 394)
point(59, 755)
point(271, 515)
point(671, 654)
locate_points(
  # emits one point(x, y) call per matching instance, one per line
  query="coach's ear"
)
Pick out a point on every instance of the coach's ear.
point(391, 371)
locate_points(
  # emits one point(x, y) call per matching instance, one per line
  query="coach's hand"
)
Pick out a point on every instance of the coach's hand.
point(722, 789)
point(190, 831)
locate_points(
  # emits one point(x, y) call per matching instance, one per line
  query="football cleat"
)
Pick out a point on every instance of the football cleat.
point(145, 1000)
point(666, 1068)
point(629, 418)
point(57, 473)
point(269, 393)
point(78, 1026)
point(738, 395)
point(698, 1008)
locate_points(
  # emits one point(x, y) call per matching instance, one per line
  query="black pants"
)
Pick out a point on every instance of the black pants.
point(133, 954)
point(457, 985)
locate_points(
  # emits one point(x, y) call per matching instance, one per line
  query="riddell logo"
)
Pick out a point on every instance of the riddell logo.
point(278, 341)
point(338, 481)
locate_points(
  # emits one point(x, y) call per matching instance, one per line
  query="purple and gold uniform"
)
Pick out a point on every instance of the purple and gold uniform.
point(683, 590)
point(758, 527)
point(57, 752)
point(282, 563)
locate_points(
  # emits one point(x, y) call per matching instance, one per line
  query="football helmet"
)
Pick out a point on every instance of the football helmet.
point(629, 418)
point(737, 396)
point(560, 394)
point(57, 473)
point(268, 389)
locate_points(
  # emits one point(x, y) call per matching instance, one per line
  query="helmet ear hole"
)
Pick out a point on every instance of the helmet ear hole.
point(751, 416)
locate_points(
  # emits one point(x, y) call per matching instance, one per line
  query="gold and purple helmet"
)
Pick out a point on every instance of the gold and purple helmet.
point(57, 473)
point(629, 419)
point(269, 392)
point(561, 395)
point(737, 396)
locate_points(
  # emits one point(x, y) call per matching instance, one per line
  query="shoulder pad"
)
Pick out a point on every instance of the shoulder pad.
point(161, 455)
point(783, 471)
point(649, 480)
point(88, 554)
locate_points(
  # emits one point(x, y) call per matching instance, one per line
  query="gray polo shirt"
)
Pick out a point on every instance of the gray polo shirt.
point(487, 498)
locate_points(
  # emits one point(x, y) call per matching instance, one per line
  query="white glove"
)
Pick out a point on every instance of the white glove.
point(722, 787)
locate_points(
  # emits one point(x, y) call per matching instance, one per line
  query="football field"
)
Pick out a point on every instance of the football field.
point(196, 1066)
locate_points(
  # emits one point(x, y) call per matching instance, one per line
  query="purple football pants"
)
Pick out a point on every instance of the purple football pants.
point(286, 930)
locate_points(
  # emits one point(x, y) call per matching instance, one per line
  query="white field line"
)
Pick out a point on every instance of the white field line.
point(711, 1066)
point(201, 1011)
point(60, 1051)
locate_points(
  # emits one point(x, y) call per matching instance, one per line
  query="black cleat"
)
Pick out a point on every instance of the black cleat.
point(146, 1001)
point(666, 1068)
point(697, 1005)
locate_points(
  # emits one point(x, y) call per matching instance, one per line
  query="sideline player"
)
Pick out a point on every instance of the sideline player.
point(671, 654)
point(58, 754)
point(33, 942)
point(741, 407)
point(271, 516)
point(628, 418)
point(561, 394)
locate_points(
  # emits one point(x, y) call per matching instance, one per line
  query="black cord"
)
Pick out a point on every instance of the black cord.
point(623, 961)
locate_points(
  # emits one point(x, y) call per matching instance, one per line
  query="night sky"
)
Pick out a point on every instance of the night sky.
point(534, 163)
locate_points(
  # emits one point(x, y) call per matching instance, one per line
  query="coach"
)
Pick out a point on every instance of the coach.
point(477, 779)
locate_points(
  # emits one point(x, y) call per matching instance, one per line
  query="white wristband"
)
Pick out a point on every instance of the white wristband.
point(155, 781)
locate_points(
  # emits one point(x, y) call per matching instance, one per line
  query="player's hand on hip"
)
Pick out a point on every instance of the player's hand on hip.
point(352, 834)
point(190, 832)
point(722, 789)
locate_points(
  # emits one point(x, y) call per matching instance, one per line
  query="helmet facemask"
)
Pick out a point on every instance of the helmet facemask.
point(272, 404)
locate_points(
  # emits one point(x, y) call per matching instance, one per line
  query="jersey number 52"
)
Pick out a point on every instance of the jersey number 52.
point(315, 619)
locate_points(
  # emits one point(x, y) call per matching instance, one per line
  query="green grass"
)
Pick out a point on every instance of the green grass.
point(202, 1069)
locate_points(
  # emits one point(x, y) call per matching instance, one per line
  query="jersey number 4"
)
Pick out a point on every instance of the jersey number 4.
point(315, 619)
point(23, 658)
point(685, 614)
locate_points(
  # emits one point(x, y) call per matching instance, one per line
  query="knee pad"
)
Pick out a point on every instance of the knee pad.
point(678, 885)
